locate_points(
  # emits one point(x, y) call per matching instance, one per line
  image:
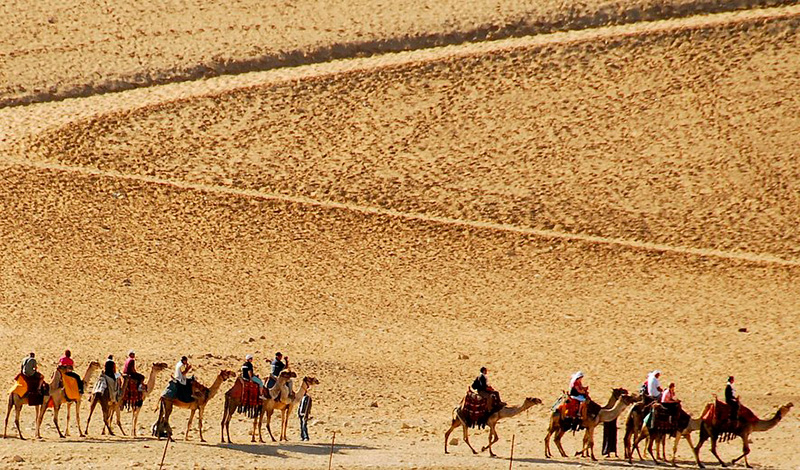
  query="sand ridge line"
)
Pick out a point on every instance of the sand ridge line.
point(525, 22)
point(764, 258)
point(19, 122)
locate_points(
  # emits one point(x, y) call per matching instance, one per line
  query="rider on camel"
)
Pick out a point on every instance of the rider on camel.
point(732, 399)
point(67, 363)
point(492, 396)
point(577, 391)
point(30, 372)
point(129, 369)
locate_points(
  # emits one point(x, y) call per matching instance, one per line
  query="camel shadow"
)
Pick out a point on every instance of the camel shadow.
point(282, 450)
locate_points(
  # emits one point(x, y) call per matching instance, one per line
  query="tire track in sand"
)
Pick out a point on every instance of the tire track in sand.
point(19, 122)
point(761, 258)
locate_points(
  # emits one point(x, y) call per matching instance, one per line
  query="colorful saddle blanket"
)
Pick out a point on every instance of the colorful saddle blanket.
point(132, 397)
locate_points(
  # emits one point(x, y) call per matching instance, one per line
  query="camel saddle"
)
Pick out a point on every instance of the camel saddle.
point(569, 409)
point(474, 410)
point(132, 397)
point(666, 419)
point(249, 397)
point(34, 388)
point(718, 415)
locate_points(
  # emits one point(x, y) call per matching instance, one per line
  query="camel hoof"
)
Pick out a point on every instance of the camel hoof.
point(202, 440)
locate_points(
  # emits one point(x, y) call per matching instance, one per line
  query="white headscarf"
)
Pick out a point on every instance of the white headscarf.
point(575, 377)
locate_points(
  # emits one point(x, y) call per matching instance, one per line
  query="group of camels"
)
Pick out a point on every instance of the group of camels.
point(272, 399)
point(635, 431)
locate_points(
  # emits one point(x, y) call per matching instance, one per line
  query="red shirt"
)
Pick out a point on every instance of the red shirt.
point(66, 361)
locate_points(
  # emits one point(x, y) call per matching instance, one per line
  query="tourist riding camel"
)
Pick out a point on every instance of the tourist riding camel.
point(467, 419)
point(577, 391)
point(129, 371)
point(489, 394)
point(718, 424)
point(29, 371)
point(654, 389)
point(29, 389)
point(65, 390)
point(283, 400)
point(67, 363)
point(133, 396)
point(182, 383)
point(238, 399)
point(732, 399)
point(277, 366)
point(200, 395)
point(565, 417)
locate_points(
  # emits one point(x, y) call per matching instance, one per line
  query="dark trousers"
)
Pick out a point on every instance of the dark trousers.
point(77, 379)
point(303, 428)
point(734, 404)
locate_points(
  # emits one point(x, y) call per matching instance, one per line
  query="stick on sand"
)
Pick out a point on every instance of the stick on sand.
point(165, 454)
point(330, 459)
point(511, 460)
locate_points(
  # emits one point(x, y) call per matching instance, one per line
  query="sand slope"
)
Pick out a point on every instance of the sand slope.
point(377, 219)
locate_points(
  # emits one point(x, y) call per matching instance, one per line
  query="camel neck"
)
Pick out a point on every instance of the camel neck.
point(766, 425)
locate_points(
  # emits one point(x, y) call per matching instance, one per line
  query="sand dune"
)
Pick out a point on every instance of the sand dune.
point(55, 50)
point(611, 200)
point(624, 139)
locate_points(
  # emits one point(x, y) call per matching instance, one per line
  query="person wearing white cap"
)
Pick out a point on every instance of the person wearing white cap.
point(579, 392)
point(247, 368)
point(654, 385)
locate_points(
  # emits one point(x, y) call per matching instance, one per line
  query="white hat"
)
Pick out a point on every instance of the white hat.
point(248, 357)
point(131, 352)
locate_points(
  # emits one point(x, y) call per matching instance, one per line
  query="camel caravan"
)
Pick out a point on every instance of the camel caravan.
point(655, 413)
point(117, 392)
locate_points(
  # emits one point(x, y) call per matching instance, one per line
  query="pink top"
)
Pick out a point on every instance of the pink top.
point(129, 367)
point(66, 361)
point(668, 396)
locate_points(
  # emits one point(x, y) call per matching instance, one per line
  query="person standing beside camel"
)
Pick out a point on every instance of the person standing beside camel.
point(66, 362)
point(304, 413)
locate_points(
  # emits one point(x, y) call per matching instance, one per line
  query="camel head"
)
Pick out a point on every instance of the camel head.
point(94, 365)
point(159, 366)
point(227, 374)
point(309, 381)
point(784, 410)
point(618, 392)
point(533, 401)
point(629, 399)
point(287, 374)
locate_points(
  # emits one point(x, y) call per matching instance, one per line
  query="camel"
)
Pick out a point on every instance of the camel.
point(633, 428)
point(17, 402)
point(59, 396)
point(155, 369)
point(502, 413)
point(202, 395)
point(232, 402)
point(559, 428)
point(714, 431)
point(660, 437)
point(285, 406)
point(109, 408)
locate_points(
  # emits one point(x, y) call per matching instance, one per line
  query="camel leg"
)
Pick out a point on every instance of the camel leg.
point(547, 453)
point(66, 426)
point(745, 451)
point(466, 438)
point(118, 414)
point(107, 417)
point(492, 439)
point(454, 424)
point(285, 423)
point(714, 450)
point(591, 444)
point(269, 419)
point(200, 422)
point(650, 440)
point(256, 424)
point(8, 413)
point(703, 437)
point(56, 409)
point(675, 447)
point(189, 425)
point(135, 420)
point(260, 419)
point(557, 440)
point(92, 405)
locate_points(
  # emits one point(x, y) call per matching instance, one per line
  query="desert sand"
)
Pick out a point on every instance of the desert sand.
point(613, 195)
